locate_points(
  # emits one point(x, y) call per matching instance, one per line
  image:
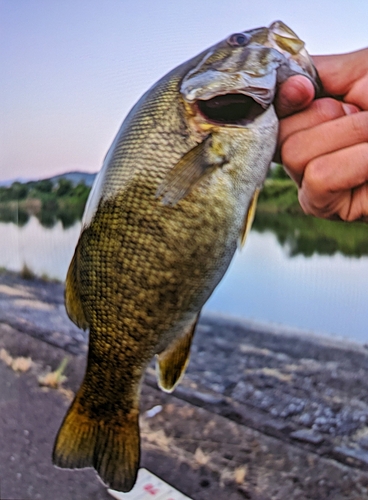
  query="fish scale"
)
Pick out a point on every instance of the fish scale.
point(176, 194)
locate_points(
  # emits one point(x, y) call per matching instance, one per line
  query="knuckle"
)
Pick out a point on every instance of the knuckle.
point(358, 206)
point(307, 203)
point(316, 176)
point(291, 152)
point(304, 203)
point(314, 195)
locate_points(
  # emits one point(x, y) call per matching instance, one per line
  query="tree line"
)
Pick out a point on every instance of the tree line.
point(55, 200)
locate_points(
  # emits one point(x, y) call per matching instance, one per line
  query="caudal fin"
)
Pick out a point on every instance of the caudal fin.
point(111, 447)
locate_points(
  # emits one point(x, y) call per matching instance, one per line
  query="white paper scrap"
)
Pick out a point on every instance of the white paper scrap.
point(149, 487)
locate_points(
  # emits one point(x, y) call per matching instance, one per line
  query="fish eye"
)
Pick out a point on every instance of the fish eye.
point(238, 39)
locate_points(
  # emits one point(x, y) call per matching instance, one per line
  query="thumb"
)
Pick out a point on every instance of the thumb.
point(293, 95)
point(345, 75)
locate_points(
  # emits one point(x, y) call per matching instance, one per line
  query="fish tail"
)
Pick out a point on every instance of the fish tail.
point(112, 447)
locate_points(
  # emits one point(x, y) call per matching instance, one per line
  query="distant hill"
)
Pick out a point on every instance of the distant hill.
point(9, 182)
point(74, 177)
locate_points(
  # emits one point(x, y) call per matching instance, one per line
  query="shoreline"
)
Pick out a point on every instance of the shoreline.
point(329, 339)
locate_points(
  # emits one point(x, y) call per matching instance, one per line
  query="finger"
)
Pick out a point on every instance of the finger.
point(359, 204)
point(321, 110)
point(318, 112)
point(324, 138)
point(336, 184)
point(294, 95)
point(340, 73)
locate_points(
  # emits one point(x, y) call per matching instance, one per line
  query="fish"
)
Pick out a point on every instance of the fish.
point(175, 197)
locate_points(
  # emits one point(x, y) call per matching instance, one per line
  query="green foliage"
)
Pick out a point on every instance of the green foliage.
point(307, 235)
point(16, 191)
point(65, 187)
point(47, 278)
point(63, 201)
point(81, 191)
point(278, 172)
point(279, 196)
point(44, 186)
point(279, 211)
point(19, 190)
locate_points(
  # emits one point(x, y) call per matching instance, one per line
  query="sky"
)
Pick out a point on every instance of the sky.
point(72, 69)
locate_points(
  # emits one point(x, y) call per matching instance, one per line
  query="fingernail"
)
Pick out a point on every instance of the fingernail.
point(350, 108)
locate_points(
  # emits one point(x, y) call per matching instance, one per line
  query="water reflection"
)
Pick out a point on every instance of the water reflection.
point(14, 214)
point(299, 234)
point(306, 236)
point(46, 251)
point(49, 214)
point(321, 293)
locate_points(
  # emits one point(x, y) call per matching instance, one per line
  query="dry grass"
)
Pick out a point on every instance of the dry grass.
point(26, 273)
point(18, 364)
point(54, 379)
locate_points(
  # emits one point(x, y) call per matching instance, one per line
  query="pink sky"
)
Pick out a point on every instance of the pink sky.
point(72, 70)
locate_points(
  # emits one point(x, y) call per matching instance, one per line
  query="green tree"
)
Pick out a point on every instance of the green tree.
point(18, 191)
point(44, 186)
point(81, 191)
point(64, 188)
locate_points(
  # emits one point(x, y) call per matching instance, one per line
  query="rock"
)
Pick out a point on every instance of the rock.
point(307, 435)
point(352, 453)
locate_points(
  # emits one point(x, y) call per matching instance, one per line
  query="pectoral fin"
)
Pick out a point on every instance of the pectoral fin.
point(73, 302)
point(192, 168)
point(249, 217)
point(172, 363)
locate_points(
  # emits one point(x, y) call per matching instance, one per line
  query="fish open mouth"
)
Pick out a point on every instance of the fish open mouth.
point(230, 109)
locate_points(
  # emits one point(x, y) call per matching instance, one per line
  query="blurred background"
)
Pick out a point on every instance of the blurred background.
point(70, 73)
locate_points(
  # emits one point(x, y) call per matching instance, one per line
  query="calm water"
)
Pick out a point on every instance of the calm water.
point(323, 294)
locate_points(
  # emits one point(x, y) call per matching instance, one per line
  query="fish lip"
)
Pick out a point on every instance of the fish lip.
point(262, 95)
point(261, 91)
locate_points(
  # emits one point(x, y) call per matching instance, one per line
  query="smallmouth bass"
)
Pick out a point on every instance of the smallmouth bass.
point(176, 193)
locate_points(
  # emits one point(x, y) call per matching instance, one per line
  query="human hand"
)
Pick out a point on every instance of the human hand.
point(324, 147)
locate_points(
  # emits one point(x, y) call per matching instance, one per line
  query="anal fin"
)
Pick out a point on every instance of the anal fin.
point(172, 363)
point(249, 217)
point(73, 302)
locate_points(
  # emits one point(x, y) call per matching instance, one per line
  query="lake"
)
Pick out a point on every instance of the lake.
point(267, 281)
